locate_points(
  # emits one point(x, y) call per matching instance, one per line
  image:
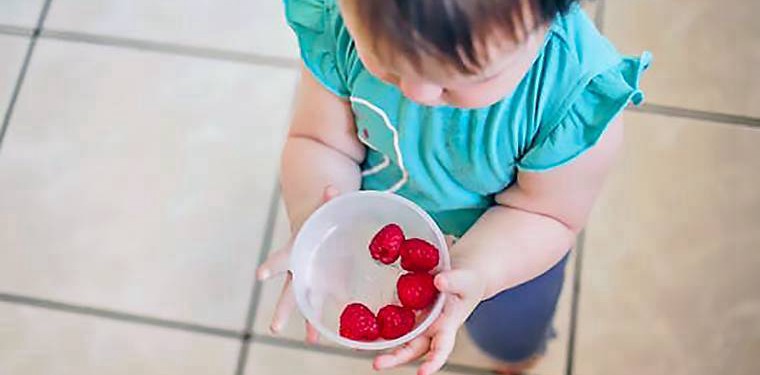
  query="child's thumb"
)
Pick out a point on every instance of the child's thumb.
point(459, 282)
point(277, 263)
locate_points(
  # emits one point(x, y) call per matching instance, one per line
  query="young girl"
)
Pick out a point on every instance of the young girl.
point(498, 117)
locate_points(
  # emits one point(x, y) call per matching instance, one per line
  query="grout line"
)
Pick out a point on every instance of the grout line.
point(15, 30)
point(266, 248)
point(348, 353)
point(697, 115)
point(288, 63)
point(676, 111)
point(242, 359)
point(172, 48)
point(570, 356)
point(599, 16)
point(22, 72)
point(266, 244)
point(116, 315)
point(288, 343)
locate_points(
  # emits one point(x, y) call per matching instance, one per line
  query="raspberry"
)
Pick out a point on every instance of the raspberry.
point(418, 255)
point(386, 244)
point(395, 321)
point(357, 322)
point(416, 290)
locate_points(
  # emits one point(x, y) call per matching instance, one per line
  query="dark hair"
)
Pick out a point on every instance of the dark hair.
point(452, 31)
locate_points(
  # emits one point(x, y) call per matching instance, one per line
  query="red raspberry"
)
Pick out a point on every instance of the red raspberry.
point(416, 290)
point(357, 322)
point(418, 255)
point(386, 244)
point(395, 321)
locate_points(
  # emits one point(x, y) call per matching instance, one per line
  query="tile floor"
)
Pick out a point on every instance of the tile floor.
point(137, 194)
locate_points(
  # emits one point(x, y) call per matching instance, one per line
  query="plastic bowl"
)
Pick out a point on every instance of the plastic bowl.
point(332, 267)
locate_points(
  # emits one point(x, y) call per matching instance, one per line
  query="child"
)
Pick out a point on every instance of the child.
point(498, 117)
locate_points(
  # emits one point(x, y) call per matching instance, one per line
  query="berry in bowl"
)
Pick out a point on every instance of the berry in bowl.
point(363, 266)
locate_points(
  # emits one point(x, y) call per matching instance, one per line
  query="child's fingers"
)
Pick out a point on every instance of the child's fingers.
point(408, 352)
point(285, 306)
point(330, 192)
point(460, 282)
point(277, 262)
point(440, 350)
point(450, 240)
point(455, 313)
point(464, 291)
point(312, 335)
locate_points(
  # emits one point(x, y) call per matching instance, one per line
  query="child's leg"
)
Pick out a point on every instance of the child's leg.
point(514, 325)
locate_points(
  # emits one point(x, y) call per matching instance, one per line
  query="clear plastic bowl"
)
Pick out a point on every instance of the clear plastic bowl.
point(332, 267)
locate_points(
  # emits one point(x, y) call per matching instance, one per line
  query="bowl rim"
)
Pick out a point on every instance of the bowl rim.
point(380, 344)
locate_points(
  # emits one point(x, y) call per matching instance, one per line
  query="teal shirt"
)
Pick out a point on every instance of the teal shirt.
point(453, 161)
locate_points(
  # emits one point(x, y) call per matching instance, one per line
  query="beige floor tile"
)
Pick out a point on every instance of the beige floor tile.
point(591, 7)
point(256, 26)
point(23, 13)
point(140, 181)
point(41, 342)
point(465, 352)
point(264, 359)
point(706, 52)
point(13, 49)
point(671, 263)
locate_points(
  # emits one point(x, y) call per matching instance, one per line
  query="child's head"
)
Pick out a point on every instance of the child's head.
point(463, 53)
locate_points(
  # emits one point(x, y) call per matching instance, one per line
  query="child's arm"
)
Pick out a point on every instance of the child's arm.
point(321, 151)
point(532, 227)
point(537, 219)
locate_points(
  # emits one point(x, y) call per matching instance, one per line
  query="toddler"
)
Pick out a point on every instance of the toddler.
point(499, 117)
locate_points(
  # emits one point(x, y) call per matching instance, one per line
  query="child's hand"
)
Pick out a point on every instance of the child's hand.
point(464, 289)
point(278, 263)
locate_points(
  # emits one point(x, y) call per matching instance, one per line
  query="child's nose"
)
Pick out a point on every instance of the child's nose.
point(421, 92)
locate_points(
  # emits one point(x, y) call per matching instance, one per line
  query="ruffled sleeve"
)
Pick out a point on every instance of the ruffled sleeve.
point(585, 115)
point(316, 24)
